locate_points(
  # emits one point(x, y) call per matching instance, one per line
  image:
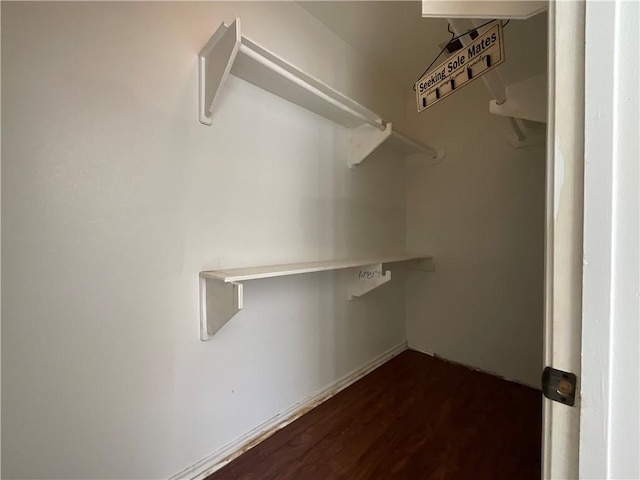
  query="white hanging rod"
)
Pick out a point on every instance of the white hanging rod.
point(419, 147)
point(518, 130)
point(308, 87)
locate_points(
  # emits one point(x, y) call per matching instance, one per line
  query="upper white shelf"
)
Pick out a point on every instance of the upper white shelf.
point(221, 291)
point(526, 99)
point(230, 52)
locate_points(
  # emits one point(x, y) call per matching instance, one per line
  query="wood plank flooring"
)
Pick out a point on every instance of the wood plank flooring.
point(415, 417)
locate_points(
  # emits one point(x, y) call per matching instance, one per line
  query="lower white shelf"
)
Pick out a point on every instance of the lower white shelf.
point(221, 291)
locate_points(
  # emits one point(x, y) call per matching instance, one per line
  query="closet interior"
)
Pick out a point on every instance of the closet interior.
point(470, 164)
point(306, 233)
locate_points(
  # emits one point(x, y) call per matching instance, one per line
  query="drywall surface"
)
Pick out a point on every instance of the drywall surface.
point(610, 385)
point(481, 214)
point(114, 197)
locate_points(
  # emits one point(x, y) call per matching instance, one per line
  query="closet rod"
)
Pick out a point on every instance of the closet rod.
point(257, 57)
point(518, 129)
point(419, 146)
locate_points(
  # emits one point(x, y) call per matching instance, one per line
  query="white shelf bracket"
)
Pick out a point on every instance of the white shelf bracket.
point(214, 65)
point(367, 278)
point(364, 140)
point(219, 303)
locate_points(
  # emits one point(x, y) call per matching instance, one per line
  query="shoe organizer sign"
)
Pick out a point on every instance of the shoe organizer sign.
point(482, 55)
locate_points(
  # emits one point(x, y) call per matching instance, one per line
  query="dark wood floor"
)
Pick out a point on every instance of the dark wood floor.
point(416, 417)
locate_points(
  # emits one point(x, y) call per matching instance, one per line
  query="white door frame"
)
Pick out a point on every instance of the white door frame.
point(592, 306)
point(563, 232)
point(610, 418)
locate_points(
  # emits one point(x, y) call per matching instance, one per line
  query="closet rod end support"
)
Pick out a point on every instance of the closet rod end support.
point(205, 120)
point(440, 155)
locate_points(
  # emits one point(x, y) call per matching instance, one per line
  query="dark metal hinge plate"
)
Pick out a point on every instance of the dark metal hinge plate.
point(559, 386)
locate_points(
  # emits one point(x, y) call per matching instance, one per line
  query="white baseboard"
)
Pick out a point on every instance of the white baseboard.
point(229, 452)
point(415, 348)
point(411, 346)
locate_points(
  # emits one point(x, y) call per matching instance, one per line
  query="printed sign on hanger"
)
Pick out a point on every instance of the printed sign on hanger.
point(482, 55)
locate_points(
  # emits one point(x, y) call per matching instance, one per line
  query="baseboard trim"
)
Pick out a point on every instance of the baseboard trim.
point(416, 348)
point(229, 452)
point(411, 346)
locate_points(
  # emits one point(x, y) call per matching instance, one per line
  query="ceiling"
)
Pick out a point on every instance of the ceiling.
point(394, 36)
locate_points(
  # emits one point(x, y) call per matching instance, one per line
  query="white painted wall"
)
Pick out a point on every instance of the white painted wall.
point(115, 197)
point(610, 387)
point(481, 214)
